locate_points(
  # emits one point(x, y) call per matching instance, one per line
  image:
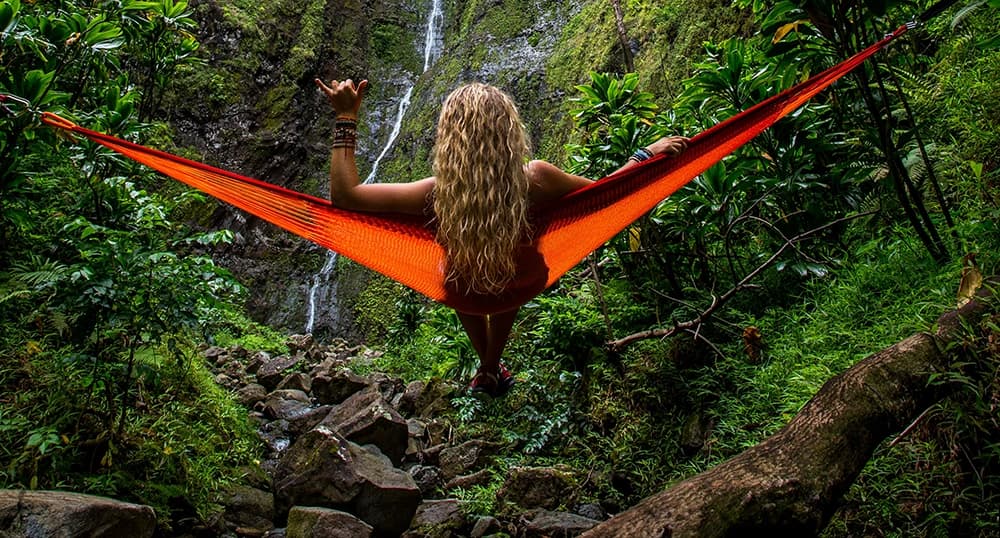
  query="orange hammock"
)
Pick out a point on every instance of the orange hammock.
point(404, 249)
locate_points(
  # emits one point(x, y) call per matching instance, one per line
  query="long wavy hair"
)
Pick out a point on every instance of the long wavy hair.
point(481, 189)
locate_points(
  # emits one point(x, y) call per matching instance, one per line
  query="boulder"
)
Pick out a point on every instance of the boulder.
point(256, 361)
point(367, 418)
point(299, 342)
point(434, 399)
point(546, 524)
point(308, 420)
point(286, 404)
point(56, 513)
point(315, 522)
point(316, 470)
point(335, 386)
point(389, 386)
point(273, 371)
point(213, 353)
point(322, 468)
point(251, 394)
point(436, 519)
point(249, 508)
point(438, 431)
point(591, 511)
point(484, 526)
point(459, 460)
point(416, 443)
point(427, 477)
point(296, 381)
point(406, 402)
point(537, 487)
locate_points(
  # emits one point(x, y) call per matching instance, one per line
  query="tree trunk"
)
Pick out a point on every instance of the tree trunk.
point(623, 36)
point(791, 483)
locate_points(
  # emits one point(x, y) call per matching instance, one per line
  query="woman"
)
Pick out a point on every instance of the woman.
point(482, 188)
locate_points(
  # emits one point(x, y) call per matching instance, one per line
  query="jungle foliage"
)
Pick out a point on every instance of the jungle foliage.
point(104, 294)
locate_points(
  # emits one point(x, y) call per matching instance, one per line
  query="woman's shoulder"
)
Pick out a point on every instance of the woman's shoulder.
point(549, 182)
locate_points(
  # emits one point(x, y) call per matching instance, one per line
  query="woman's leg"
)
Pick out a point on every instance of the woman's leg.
point(476, 327)
point(489, 336)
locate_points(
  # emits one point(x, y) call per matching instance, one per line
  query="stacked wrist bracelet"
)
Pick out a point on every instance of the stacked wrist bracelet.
point(345, 133)
point(640, 155)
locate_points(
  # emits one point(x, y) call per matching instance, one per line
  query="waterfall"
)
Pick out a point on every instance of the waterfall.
point(322, 279)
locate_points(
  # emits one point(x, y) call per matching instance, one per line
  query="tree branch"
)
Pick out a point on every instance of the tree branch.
point(717, 302)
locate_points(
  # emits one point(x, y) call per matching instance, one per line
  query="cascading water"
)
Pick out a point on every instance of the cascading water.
point(322, 280)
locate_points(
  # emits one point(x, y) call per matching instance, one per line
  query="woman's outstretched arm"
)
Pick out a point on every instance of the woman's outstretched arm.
point(346, 189)
point(549, 182)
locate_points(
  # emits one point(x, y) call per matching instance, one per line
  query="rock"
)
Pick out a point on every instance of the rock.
point(250, 508)
point(389, 386)
point(478, 478)
point(407, 402)
point(461, 459)
point(536, 487)
point(415, 443)
point(296, 381)
point(485, 525)
point(591, 511)
point(275, 436)
point(273, 371)
point(367, 418)
point(314, 522)
point(431, 455)
point(546, 524)
point(299, 342)
point(251, 394)
point(316, 470)
point(336, 386)
point(58, 513)
point(322, 468)
point(308, 420)
point(213, 353)
point(696, 431)
point(286, 404)
point(257, 360)
point(437, 519)
point(427, 477)
point(290, 394)
point(438, 431)
point(434, 399)
point(238, 352)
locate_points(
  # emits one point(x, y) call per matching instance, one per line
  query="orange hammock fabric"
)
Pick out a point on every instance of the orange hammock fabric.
point(403, 247)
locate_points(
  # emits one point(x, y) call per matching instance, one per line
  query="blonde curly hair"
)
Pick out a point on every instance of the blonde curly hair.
point(481, 189)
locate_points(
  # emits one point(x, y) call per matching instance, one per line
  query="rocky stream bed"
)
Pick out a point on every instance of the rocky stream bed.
point(345, 456)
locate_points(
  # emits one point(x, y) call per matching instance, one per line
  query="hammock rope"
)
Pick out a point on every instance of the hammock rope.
point(404, 248)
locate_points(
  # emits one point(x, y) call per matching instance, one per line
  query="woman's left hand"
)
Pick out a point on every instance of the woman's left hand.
point(345, 97)
point(670, 145)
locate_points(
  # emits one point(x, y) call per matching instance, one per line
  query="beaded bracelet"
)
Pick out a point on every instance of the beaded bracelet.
point(345, 133)
point(640, 155)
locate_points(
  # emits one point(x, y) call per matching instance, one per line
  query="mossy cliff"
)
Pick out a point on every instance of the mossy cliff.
point(253, 108)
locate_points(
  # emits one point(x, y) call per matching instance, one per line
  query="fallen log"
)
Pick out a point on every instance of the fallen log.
point(792, 482)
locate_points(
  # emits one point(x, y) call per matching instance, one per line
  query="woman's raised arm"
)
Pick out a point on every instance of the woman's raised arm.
point(346, 189)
